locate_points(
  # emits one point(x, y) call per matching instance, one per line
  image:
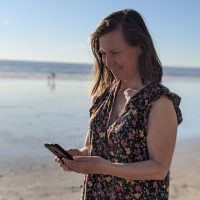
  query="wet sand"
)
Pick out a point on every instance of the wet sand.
point(40, 178)
point(185, 176)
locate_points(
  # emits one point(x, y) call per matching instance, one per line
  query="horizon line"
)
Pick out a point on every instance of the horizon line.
point(85, 63)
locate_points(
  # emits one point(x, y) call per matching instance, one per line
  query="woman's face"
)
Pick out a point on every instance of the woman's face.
point(119, 57)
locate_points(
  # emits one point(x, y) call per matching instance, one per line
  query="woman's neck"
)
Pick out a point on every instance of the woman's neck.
point(132, 84)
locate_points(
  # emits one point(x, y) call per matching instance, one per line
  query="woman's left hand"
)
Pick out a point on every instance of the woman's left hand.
point(87, 164)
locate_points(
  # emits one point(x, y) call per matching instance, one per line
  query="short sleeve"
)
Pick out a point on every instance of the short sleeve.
point(176, 99)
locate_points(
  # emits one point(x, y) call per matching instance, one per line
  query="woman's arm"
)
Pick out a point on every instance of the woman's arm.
point(85, 149)
point(75, 152)
point(161, 139)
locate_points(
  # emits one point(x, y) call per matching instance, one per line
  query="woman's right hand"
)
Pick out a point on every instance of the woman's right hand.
point(72, 152)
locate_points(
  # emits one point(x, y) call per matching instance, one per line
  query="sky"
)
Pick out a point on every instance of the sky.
point(58, 30)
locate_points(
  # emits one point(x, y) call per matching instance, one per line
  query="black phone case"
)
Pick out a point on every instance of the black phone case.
point(58, 151)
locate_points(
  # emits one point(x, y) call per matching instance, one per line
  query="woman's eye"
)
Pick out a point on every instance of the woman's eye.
point(115, 52)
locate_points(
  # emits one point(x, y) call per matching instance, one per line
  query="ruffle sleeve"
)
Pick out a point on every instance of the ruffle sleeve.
point(176, 99)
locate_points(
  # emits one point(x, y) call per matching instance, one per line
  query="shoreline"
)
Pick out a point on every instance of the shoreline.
point(75, 76)
point(42, 76)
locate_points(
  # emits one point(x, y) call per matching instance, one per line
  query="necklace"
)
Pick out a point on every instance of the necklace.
point(129, 93)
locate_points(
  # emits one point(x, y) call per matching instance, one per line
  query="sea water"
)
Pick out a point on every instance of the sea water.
point(32, 113)
point(189, 90)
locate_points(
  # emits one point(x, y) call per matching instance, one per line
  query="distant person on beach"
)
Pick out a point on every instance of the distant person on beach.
point(51, 80)
point(133, 118)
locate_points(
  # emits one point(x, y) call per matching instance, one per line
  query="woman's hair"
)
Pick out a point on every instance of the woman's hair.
point(135, 33)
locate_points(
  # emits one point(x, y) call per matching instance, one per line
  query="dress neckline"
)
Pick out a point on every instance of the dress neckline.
point(133, 98)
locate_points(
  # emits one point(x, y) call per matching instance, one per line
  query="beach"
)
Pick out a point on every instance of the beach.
point(185, 177)
point(35, 111)
point(41, 178)
point(38, 178)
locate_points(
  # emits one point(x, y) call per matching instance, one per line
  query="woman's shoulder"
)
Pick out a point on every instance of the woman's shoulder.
point(164, 99)
point(156, 90)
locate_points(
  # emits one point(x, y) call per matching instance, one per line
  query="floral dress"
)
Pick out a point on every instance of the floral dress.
point(125, 141)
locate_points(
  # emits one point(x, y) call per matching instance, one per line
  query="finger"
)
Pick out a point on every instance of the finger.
point(58, 160)
point(69, 165)
point(65, 168)
point(66, 161)
point(81, 158)
point(79, 167)
point(62, 165)
point(74, 152)
point(65, 164)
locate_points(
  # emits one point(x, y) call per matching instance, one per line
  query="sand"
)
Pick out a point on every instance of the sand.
point(38, 178)
point(185, 176)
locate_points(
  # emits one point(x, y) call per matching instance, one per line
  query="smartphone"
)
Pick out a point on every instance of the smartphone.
point(58, 151)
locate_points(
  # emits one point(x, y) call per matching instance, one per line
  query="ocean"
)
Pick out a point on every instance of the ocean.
point(49, 102)
point(27, 68)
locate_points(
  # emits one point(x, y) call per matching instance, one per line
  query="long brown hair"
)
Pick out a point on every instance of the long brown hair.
point(135, 33)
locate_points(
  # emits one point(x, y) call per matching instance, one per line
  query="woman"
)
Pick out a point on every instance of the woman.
point(133, 119)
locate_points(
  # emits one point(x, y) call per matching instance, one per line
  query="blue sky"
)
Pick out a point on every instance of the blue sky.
point(58, 30)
